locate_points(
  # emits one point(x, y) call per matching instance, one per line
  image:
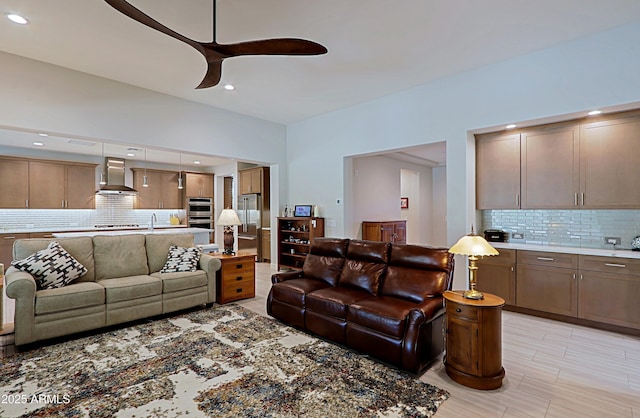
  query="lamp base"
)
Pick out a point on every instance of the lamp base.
point(473, 294)
point(229, 251)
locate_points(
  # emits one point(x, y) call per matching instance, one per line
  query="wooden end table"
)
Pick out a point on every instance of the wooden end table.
point(474, 340)
point(236, 278)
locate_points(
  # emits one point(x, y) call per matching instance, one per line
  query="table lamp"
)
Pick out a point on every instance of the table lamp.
point(474, 246)
point(228, 218)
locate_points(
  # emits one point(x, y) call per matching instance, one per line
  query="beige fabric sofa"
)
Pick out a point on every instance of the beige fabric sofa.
point(123, 283)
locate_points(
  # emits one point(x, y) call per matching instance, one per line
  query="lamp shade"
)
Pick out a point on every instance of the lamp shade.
point(228, 217)
point(473, 245)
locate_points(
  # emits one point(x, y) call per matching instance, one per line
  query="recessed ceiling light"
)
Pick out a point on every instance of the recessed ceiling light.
point(196, 162)
point(594, 112)
point(511, 126)
point(43, 134)
point(130, 154)
point(229, 87)
point(17, 19)
point(38, 144)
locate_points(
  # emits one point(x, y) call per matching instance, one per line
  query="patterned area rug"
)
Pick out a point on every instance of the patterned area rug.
point(220, 362)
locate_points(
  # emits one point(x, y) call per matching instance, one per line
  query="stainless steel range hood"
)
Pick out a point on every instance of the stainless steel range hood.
point(115, 178)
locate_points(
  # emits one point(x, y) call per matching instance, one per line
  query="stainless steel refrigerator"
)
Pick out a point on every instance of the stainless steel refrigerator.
point(249, 212)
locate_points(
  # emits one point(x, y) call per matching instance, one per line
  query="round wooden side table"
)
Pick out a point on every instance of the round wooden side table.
point(474, 340)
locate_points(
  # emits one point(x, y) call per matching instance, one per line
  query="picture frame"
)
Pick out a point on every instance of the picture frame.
point(404, 203)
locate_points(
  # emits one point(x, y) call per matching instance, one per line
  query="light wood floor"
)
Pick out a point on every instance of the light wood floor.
point(552, 369)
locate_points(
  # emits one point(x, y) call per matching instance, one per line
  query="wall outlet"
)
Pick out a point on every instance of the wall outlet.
point(612, 240)
point(517, 235)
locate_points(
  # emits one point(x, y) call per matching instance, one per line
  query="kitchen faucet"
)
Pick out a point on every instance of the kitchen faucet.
point(153, 218)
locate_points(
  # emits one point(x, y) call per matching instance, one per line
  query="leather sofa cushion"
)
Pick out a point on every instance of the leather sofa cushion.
point(133, 287)
point(70, 297)
point(157, 246)
point(80, 248)
point(174, 282)
point(383, 314)
point(120, 256)
point(325, 260)
point(365, 265)
point(334, 301)
point(416, 273)
point(293, 291)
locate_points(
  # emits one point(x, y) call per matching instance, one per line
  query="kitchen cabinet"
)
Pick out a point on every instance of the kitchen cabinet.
point(14, 183)
point(295, 236)
point(162, 193)
point(251, 180)
point(497, 275)
point(610, 158)
point(609, 290)
point(6, 247)
point(394, 232)
point(41, 184)
point(498, 171)
point(547, 282)
point(198, 185)
point(473, 332)
point(266, 245)
point(550, 168)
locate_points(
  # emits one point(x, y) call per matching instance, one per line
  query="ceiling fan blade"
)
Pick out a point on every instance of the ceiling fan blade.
point(278, 46)
point(213, 75)
point(128, 10)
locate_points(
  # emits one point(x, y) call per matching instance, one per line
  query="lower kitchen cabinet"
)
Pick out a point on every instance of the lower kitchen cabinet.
point(609, 290)
point(6, 247)
point(497, 275)
point(547, 282)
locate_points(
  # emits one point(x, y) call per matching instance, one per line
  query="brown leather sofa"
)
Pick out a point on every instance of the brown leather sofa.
point(378, 298)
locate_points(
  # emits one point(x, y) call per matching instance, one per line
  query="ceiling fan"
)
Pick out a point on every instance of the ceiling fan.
point(214, 52)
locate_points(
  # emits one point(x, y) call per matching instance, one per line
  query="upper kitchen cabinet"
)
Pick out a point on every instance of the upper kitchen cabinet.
point(251, 180)
point(498, 171)
point(550, 168)
point(199, 185)
point(162, 191)
point(47, 184)
point(14, 183)
point(610, 159)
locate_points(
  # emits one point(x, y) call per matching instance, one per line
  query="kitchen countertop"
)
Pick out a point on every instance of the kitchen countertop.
point(132, 231)
point(603, 252)
point(83, 228)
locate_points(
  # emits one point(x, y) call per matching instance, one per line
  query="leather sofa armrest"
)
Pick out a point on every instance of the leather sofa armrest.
point(287, 275)
point(427, 311)
point(421, 326)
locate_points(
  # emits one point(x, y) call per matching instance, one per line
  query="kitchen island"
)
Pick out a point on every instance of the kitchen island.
point(200, 235)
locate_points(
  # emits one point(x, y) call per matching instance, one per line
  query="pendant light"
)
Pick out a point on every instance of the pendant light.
point(103, 177)
point(180, 186)
point(145, 182)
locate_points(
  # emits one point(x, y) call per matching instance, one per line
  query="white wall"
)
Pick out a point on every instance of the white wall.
point(593, 72)
point(439, 207)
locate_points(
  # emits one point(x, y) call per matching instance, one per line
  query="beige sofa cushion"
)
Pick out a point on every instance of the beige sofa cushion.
point(133, 287)
point(81, 248)
point(173, 282)
point(158, 247)
point(119, 256)
point(73, 296)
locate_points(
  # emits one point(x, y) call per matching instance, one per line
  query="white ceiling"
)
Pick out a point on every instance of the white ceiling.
point(376, 47)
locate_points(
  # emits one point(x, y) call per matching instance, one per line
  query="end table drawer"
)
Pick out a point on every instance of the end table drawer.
point(240, 290)
point(456, 310)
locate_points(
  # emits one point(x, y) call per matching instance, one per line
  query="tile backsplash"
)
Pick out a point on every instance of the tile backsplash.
point(571, 228)
point(110, 210)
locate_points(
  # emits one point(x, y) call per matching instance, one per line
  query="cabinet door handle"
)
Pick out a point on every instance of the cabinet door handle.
point(458, 310)
point(512, 269)
point(26, 203)
point(575, 199)
point(615, 265)
point(574, 276)
point(9, 237)
point(582, 199)
point(517, 199)
point(546, 259)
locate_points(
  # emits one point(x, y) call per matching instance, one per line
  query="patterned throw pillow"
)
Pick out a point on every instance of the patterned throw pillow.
point(181, 259)
point(52, 267)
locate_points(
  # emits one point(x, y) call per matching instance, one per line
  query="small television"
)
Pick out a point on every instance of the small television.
point(302, 211)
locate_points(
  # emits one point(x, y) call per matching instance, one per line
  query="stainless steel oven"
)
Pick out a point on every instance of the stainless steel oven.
point(200, 212)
